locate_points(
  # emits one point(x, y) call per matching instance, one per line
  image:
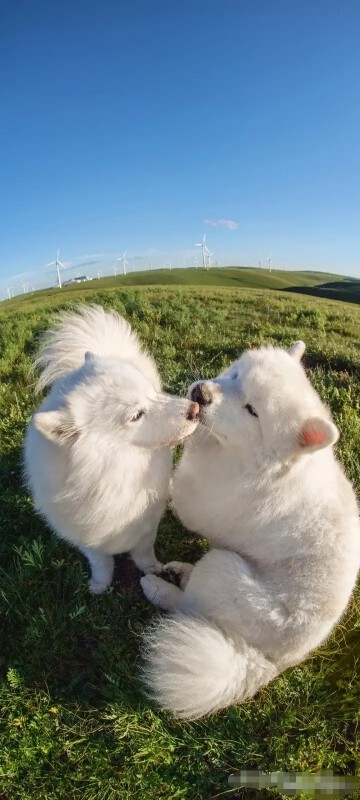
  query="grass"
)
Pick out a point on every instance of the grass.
point(231, 277)
point(74, 722)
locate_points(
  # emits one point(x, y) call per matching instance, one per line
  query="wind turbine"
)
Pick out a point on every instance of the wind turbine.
point(210, 255)
point(122, 260)
point(57, 264)
point(25, 287)
point(10, 292)
point(204, 249)
point(269, 262)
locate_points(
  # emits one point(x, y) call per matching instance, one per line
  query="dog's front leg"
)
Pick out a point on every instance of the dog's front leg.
point(102, 568)
point(143, 555)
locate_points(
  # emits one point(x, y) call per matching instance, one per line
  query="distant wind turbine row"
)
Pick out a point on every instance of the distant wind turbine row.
point(122, 260)
point(123, 263)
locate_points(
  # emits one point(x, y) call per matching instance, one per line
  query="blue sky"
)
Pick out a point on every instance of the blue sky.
point(126, 125)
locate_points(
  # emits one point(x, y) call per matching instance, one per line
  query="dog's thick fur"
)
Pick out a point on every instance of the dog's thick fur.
point(98, 451)
point(259, 479)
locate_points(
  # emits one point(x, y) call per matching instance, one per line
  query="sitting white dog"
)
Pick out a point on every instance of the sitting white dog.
point(98, 451)
point(259, 479)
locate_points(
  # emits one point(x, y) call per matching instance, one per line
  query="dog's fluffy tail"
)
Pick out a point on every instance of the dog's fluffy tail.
point(192, 668)
point(90, 328)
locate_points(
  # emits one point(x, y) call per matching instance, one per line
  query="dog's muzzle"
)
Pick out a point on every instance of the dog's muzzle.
point(202, 394)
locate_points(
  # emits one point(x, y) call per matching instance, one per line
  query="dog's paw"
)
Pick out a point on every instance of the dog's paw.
point(154, 566)
point(155, 590)
point(97, 587)
point(178, 572)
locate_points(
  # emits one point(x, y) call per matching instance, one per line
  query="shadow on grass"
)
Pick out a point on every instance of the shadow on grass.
point(347, 291)
point(57, 637)
point(337, 364)
point(75, 647)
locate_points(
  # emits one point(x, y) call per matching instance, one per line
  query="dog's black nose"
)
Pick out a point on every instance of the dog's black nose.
point(201, 394)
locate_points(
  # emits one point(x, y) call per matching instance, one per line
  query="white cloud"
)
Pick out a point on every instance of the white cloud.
point(222, 223)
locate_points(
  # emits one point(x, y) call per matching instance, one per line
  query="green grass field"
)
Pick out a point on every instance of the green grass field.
point(321, 284)
point(74, 722)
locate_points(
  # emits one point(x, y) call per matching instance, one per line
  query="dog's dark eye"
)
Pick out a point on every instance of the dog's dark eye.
point(251, 410)
point(137, 416)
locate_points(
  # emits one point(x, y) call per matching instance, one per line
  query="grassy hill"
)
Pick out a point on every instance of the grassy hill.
point(74, 721)
point(233, 277)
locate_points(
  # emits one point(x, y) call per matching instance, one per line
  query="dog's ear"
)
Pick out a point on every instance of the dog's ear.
point(297, 350)
point(317, 433)
point(57, 426)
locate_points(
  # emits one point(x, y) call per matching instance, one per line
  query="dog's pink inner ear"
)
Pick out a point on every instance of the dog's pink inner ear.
point(310, 436)
point(316, 433)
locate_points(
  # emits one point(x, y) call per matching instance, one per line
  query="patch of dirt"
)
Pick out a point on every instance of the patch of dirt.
point(126, 576)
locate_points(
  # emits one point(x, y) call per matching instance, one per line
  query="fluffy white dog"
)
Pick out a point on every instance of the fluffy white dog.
point(259, 479)
point(98, 451)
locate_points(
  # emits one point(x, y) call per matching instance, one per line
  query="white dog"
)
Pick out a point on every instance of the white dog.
point(98, 451)
point(259, 479)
